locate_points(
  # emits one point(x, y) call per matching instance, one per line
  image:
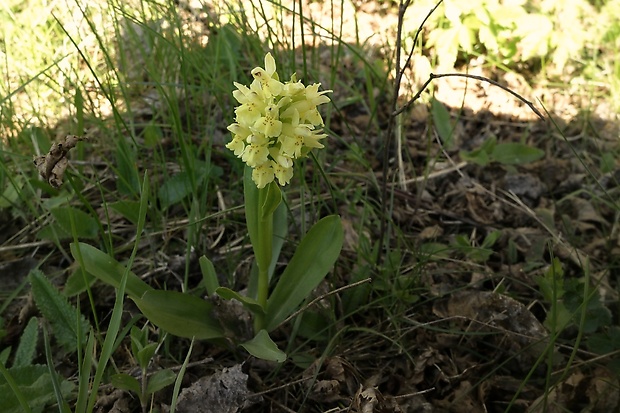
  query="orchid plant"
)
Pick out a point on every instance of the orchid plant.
point(275, 124)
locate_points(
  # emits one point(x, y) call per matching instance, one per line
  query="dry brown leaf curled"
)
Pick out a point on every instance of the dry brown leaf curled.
point(52, 166)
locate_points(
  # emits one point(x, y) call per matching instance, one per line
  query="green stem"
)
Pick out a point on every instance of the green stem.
point(263, 252)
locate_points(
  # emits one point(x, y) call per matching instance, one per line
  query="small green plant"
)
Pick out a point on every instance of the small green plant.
point(27, 386)
point(143, 352)
point(572, 302)
point(480, 253)
point(506, 153)
point(276, 124)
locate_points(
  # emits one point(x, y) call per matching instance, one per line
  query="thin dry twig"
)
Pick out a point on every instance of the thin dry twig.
point(321, 297)
point(467, 75)
point(399, 72)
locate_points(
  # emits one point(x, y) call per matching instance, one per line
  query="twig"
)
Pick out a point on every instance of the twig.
point(392, 120)
point(317, 299)
point(480, 78)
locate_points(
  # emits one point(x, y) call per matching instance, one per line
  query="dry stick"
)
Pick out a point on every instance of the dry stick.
point(390, 129)
point(480, 78)
point(323, 296)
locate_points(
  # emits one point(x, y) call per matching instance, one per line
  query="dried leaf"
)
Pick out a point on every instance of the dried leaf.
point(330, 380)
point(523, 335)
point(52, 166)
point(224, 392)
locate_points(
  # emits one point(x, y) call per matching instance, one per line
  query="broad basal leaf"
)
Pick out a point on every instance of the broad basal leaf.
point(108, 270)
point(263, 347)
point(314, 257)
point(180, 314)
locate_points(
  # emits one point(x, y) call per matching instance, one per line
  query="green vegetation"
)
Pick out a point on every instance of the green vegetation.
point(447, 248)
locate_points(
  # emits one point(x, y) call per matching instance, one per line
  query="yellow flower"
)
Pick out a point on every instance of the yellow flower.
point(284, 174)
point(262, 175)
point(312, 140)
point(268, 77)
point(255, 155)
point(269, 125)
point(275, 123)
point(237, 145)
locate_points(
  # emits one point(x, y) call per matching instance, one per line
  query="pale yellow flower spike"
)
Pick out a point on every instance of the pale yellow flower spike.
point(276, 123)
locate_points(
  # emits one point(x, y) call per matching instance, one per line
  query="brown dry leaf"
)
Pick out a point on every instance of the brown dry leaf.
point(370, 400)
point(500, 390)
point(480, 208)
point(526, 186)
point(524, 336)
point(427, 368)
point(52, 166)
point(330, 380)
point(431, 233)
point(597, 393)
point(224, 392)
point(462, 400)
point(586, 211)
point(603, 392)
point(233, 316)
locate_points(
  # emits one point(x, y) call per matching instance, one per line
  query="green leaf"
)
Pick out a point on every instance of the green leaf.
point(515, 153)
point(263, 347)
point(482, 155)
point(62, 316)
point(558, 318)
point(434, 251)
point(314, 326)
point(128, 180)
point(251, 304)
point(108, 270)
point(145, 354)
point(85, 226)
point(551, 283)
point(78, 282)
point(160, 380)
point(442, 122)
point(152, 135)
point(209, 276)
point(175, 189)
point(138, 337)
point(606, 342)
point(79, 111)
point(314, 257)
point(130, 210)
point(272, 200)
point(27, 344)
point(180, 314)
point(477, 156)
point(35, 384)
point(4, 355)
point(124, 381)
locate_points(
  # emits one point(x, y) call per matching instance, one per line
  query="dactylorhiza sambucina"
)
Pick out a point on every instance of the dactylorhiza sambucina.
point(276, 123)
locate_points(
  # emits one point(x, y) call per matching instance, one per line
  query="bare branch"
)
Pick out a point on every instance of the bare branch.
point(480, 78)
